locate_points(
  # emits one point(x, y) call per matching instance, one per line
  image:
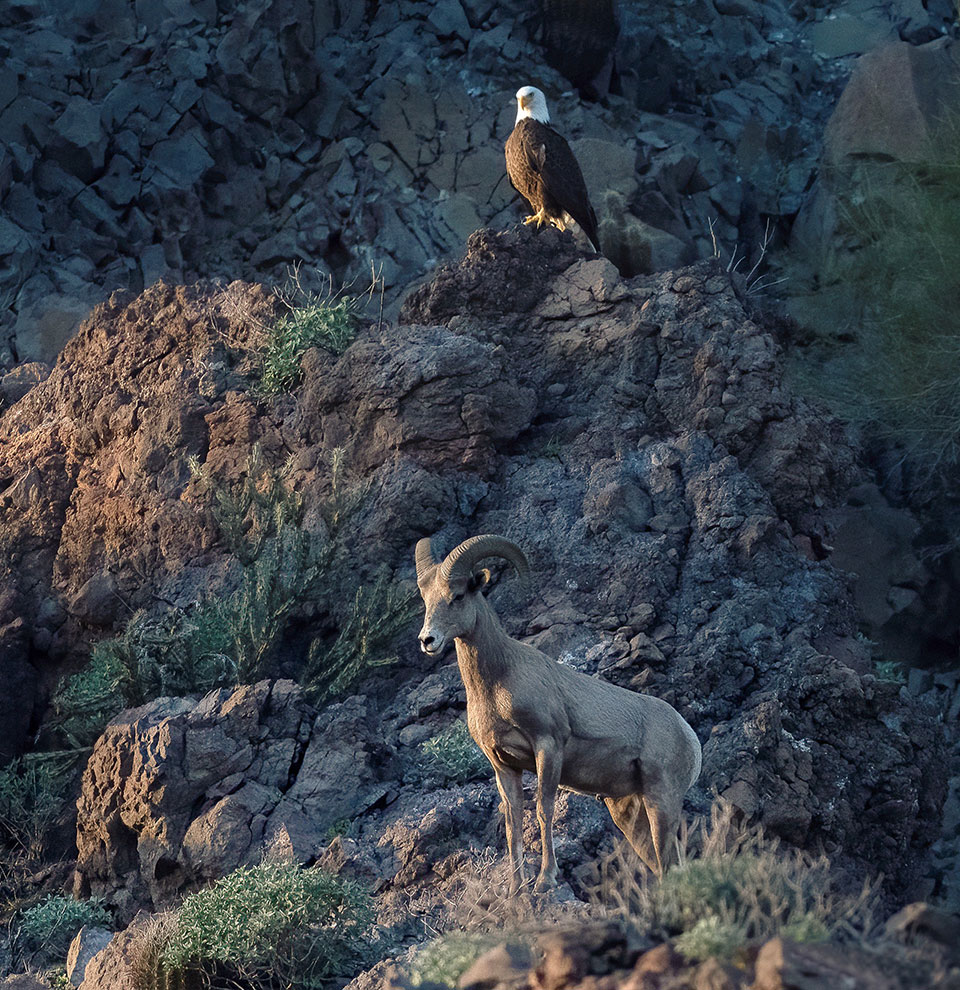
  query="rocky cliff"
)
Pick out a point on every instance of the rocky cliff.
point(635, 437)
point(696, 529)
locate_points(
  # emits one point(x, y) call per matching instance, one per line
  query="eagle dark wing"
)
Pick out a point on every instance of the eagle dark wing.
point(544, 170)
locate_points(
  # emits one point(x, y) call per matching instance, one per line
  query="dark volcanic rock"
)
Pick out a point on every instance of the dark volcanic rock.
point(634, 437)
point(19, 678)
point(499, 273)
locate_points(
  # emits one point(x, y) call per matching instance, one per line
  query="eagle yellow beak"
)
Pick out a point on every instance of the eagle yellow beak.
point(524, 101)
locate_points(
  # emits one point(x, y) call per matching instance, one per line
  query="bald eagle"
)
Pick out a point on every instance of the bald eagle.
point(543, 169)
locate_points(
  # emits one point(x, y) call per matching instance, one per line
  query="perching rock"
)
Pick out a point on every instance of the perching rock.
point(336, 135)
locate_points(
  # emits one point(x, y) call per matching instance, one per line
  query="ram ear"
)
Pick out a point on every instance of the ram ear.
point(480, 580)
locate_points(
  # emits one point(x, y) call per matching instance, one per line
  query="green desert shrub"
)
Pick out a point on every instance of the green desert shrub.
point(447, 958)
point(714, 936)
point(234, 639)
point(453, 757)
point(886, 351)
point(317, 323)
point(377, 615)
point(283, 565)
point(270, 925)
point(84, 702)
point(175, 652)
point(46, 930)
point(324, 318)
point(31, 799)
point(286, 566)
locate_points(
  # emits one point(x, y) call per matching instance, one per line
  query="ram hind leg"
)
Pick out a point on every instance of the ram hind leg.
point(664, 819)
point(630, 816)
point(510, 786)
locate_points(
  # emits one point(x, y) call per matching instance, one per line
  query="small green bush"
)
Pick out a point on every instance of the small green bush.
point(272, 924)
point(221, 641)
point(319, 323)
point(175, 652)
point(720, 903)
point(47, 929)
point(712, 936)
point(453, 756)
point(377, 616)
point(84, 702)
point(283, 565)
point(447, 958)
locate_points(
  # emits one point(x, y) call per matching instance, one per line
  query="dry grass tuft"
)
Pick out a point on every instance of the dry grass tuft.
point(734, 888)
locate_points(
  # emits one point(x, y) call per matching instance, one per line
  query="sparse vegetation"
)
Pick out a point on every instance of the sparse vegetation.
point(376, 617)
point(261, 521)
point(176, 652)
point(884, 317)
point(740, 890)
point(45, 931)
point(328, 319)
point(453, 757)
point(318, 324)
point(31, 799)
point(219, 642)
point(270, 925)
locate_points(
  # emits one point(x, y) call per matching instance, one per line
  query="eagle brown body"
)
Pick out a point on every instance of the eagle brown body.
point(543, 169)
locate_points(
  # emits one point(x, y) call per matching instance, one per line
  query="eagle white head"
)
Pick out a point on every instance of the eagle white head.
point(532, 103)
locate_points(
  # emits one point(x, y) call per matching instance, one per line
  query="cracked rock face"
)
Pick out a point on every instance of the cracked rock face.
point(178, 793)
point(634, 437)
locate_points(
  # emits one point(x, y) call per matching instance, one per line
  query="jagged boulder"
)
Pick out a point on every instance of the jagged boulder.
point(895, 108)
point(179, 792)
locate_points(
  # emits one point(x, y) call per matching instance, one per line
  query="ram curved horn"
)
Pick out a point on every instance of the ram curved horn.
point(424, 558)
point(459, 563)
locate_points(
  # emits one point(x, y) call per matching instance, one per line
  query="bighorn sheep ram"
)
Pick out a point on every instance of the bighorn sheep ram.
point(528, 712)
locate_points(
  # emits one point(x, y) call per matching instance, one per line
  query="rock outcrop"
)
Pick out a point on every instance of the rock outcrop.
point(177, 794)
point(635, 437)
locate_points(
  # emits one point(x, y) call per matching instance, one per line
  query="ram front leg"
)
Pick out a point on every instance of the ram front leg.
point(510, 786)
point(548, 781)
